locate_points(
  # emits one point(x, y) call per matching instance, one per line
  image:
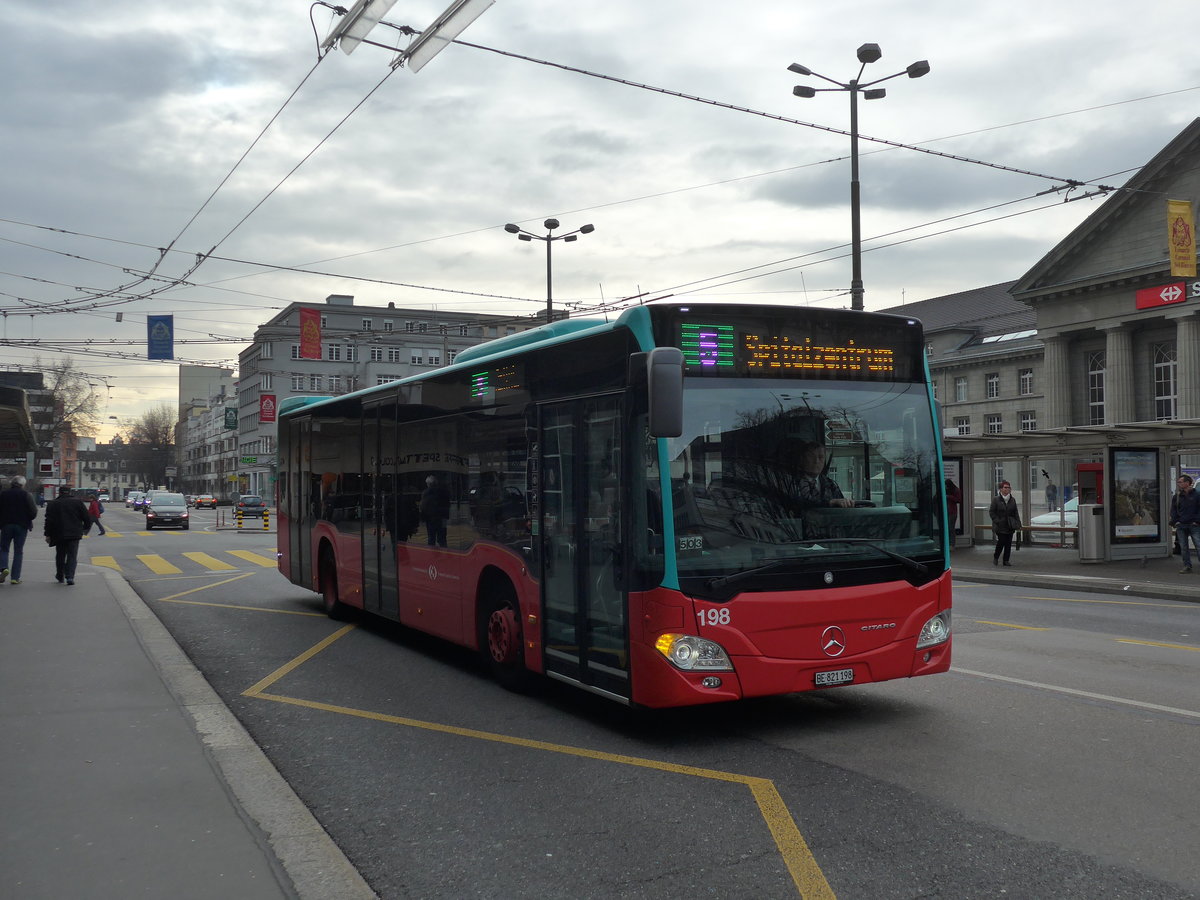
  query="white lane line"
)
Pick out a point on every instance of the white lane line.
point(1189, 713)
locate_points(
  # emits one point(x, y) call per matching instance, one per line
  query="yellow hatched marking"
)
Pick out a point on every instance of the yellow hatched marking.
point(109, 562)
point(807, 876)
point(158, 565)
point(210, 562)
point(257, 558)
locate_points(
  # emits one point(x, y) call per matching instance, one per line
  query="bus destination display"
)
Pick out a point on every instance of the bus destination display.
point(722, 349)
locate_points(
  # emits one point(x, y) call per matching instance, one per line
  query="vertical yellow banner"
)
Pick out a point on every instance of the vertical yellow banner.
point(1181, 238)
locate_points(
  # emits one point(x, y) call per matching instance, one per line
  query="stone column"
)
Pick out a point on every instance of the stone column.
point(1187, 367)
point(1056, 376)
point(1118, 376)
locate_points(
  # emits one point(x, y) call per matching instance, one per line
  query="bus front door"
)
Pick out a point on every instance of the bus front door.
point(584, 609)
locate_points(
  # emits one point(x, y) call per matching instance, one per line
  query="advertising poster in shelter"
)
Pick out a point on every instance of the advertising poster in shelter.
point(1136, 495)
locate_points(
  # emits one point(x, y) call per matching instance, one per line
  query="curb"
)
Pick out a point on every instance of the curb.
point(315, 864)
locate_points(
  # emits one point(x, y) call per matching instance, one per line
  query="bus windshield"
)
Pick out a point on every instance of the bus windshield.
point(802, 470)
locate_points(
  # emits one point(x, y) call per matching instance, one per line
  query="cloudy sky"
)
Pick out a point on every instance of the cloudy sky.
point(125, 126)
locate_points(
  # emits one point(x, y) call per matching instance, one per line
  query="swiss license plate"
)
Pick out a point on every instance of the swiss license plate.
point(838, 676)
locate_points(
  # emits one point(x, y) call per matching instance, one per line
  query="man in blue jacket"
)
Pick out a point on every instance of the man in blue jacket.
point(1185, 516)
point(17, 512)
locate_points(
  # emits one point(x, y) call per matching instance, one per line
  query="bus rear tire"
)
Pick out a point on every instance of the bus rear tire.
point(334, 608)
point(500, 639)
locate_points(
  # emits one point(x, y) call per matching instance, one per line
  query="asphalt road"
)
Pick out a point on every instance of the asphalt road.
point(1056, 760)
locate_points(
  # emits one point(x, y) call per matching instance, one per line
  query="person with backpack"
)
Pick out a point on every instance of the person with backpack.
point(96, 510)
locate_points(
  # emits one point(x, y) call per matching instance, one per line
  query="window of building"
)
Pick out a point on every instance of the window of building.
point(351, 353)
point(995, 423)
point(993, 385)
point(387, 325)
point(324, 322)
point(453, 353)
point(442, 328)
point(295, 351)
point(384, 379)
point(935, 390)
point(960, 388)
point(408, 326)
point(1165, 372)
point(335, 383)
point(1028, 420)
point(417, 359)
point(266, 351)
point(462, 330)
point(314, 383)
point(268, 379)
point(1025, 380)
point(393, 355)
point(297, 382)
point(962, 424)
point(1097, 365)
point(333, 352)
point(422, 327)
point(376, 354)
point(367, 325)
point(435, 359)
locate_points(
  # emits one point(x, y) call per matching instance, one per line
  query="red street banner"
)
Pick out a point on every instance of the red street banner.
point(266, 408)
point(310, 334)
point(1163, 295)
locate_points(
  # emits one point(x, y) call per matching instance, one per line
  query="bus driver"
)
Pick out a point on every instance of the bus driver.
point(814, 487)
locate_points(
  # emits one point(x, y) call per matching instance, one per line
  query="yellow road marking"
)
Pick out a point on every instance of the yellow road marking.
point(210, 562)
point(257, 558)
point(1158, 644)
point(1108, 602)
point(1010, 625)
point(158, 565)
point(801, 865)
point(108, 562)
point(175, 598)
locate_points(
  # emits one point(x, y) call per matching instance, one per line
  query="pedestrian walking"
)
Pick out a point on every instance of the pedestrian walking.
point(1185, 516)
point(96, 510)
point(953, 502)
point(1051, 493)
point(18, 509)
point(67, 521)
point(1006, 521)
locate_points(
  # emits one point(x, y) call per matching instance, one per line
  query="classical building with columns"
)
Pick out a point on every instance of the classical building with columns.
point(1084, 373)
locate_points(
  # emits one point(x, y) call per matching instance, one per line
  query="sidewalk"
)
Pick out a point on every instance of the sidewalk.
point(123, 773)
point(1060, 569)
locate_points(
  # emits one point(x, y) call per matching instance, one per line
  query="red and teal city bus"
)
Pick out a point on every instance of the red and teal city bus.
point(687, 504)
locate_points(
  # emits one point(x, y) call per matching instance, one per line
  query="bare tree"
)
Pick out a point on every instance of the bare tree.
point(74, 401)
point(155, 427)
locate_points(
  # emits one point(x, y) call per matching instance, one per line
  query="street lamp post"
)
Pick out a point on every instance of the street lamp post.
point(867, 53)
point(549, 238)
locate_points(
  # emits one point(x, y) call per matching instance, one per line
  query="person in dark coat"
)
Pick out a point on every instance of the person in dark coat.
point(1006, 521)
point(67, 521)
point(435, 510)
point(17, 512)
point(953, 502)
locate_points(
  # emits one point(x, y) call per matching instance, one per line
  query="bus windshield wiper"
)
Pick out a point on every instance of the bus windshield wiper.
point(907, 562)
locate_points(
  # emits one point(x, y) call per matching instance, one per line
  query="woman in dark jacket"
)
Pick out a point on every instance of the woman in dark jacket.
point(1006, 520)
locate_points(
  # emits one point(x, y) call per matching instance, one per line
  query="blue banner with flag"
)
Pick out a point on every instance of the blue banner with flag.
point(160, 337)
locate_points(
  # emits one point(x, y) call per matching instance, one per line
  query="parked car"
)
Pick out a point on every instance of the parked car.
point(205, 500)
point(251, 505)
point(1069, 518)
point(133, 500)
point(167, 509)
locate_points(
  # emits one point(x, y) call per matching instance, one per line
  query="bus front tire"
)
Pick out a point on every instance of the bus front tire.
point(501, 642)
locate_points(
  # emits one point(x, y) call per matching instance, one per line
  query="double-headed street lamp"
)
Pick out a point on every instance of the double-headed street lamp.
point(867, 53)
point(549, 237)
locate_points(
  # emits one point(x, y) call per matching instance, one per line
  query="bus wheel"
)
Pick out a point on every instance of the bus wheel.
point(334, 608)
point(501, 642)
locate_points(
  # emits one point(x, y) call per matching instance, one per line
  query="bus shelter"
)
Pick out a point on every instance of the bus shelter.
point(1114, 480)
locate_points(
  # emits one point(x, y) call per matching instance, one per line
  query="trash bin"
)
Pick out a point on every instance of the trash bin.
point(1091, 532)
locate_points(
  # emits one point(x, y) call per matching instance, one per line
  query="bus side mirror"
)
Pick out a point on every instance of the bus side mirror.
point(664, 377)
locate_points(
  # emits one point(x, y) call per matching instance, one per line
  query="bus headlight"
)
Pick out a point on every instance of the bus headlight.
point(935, 631)
point(691, 653)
